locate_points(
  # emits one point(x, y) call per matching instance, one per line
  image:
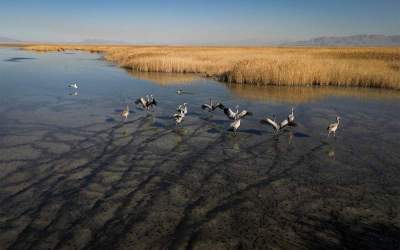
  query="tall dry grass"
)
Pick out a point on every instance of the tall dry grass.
point(363, 67)
point(164, 79)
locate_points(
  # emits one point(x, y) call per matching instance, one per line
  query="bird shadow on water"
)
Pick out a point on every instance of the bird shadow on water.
point(301, 135)
point(212, 118)
point(251, 131)
point(197, 114)
point(217, 129)
point(219, 122)
point(214, 130)
point(331, 153)
point(181, 131)
point(160, 125)
point(232, 141)
point(110, 119)
point(165, 117)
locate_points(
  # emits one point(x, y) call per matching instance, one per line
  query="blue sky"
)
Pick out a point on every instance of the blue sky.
point(179, 21)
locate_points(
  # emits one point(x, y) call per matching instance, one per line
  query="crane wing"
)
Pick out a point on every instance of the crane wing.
point(142, 101)
point(243, 114)
point(221, 106)
point(229, 113)
point(284, 123)
point(178, 115)
point(216, 105)
point(291, 117)
point(270, 122)
point(206, 106)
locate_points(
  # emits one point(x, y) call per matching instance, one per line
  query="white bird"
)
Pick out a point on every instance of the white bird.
point(278, 126)
point(235, 125)
point(142, 102)
point(243, 114)
point(291, 116)
point(178, 118)
point(181, 92)
point(234, 115)
point(210, 106)
point(152, 101)
point(182, 111)
point(73, 85)
point(283, 123)
point(271, 122)
point(125, 112)
point(146, 103)
point(333, 127)
point(289, 121)
point(182, 108)
point(230, 113)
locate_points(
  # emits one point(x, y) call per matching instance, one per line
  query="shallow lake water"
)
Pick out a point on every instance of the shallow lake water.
point(73, 175)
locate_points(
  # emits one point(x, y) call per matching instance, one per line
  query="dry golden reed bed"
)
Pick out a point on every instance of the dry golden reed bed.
point(345, 66)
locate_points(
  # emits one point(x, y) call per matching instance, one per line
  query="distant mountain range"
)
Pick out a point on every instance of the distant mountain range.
point(101, 41)
point(372, 40)
point(356, 40)
point(4, 39)
point(8, 40)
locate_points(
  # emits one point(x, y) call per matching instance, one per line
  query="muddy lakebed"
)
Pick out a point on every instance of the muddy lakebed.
point(73, 175)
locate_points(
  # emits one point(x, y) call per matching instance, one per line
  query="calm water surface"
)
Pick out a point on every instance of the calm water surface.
point(74, 176)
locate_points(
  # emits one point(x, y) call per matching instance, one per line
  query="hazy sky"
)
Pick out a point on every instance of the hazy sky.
point(207, 21)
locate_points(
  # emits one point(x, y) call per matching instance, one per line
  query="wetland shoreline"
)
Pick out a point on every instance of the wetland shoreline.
point(376, 67)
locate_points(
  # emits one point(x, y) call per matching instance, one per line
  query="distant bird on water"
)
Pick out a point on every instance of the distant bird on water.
point(73, 85)
point(181, 92)
point(125, 112)
point(146, 103)
point(333, 127)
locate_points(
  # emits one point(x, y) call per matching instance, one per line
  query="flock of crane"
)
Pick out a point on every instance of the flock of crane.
point(149, 102)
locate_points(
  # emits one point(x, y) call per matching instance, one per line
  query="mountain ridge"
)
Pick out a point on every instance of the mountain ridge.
point(366, 39)
point(4, 39)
